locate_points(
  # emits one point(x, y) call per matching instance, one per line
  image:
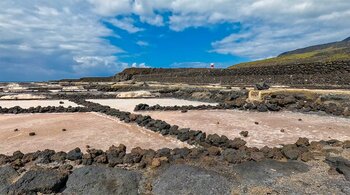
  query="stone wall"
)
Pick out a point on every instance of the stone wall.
point(317, 74)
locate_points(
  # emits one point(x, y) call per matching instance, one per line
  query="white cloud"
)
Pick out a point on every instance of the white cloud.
point(52, 35)
point(269, 26)
point(64, 37)
point(141, 65)
point(126, 24)
point(111, 7)
point(142, 43)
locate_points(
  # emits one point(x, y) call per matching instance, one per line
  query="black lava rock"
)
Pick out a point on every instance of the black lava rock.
point(74, 154)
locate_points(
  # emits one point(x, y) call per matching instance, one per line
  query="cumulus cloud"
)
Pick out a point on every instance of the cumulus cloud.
point(142, 43)
point(272, 27)
point(269, 27)
point(64, 38)
point(54, 39)
point(146, 10)
point(126, 24)
point(141, 65)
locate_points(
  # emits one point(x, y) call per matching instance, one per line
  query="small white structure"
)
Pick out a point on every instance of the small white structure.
point(212, 65)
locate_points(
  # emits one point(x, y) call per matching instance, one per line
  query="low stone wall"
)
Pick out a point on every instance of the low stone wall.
point(333, 104)
point(39, 109)
point(316, 74)
point(55, 172)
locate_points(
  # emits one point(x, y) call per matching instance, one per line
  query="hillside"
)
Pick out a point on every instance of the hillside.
point(330, 52)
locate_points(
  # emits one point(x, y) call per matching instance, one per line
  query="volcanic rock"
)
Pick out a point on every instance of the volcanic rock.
point(234, 156)
point(185, 179)
point(341, 165)
point(302, 142)
point(44, 156)
point(41, 180)
point(216, 140)
point(74, 154)
point(257, 156)
point(244, 133)
point(7, 175)
point(266, 172)
point(262, 108)
point(214, 151)
point(59, 157)
point(291, 151)
point(262, 86)
point(102, 180)
point(236, 143)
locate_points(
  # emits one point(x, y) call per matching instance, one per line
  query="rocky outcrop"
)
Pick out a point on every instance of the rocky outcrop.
point(102, 180)
point(7, 176)
point(41, 180)
point(184, 179)
point(340, 164)
point(266, 172)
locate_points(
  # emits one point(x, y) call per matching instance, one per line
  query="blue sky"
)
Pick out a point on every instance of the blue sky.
point(47, 39)
point(163, 47)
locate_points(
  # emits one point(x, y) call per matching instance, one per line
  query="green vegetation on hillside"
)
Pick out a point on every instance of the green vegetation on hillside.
point(337, 51)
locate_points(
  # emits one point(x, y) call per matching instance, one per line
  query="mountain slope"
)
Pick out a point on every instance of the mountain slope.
point(336, 51)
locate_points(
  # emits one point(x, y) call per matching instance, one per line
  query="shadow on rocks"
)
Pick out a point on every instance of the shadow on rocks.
point(185, 179)
point(102, 180)
point(42, 180)
point(7, 175)
point(341, 165)
point(266, 172)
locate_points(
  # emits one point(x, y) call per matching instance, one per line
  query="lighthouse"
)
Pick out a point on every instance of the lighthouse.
point(212, 66)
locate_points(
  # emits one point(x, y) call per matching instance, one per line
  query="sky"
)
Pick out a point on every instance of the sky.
point(50, 39)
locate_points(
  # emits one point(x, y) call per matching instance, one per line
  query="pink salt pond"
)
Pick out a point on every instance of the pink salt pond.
point(264, 128)
point(96, 130)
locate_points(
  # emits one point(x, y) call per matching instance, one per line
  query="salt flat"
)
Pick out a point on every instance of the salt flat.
point(267, 131)
point(35, 103)
point(95, 130)
point(129, 104)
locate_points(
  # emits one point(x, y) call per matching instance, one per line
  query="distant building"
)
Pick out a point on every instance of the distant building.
point(212, 66)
